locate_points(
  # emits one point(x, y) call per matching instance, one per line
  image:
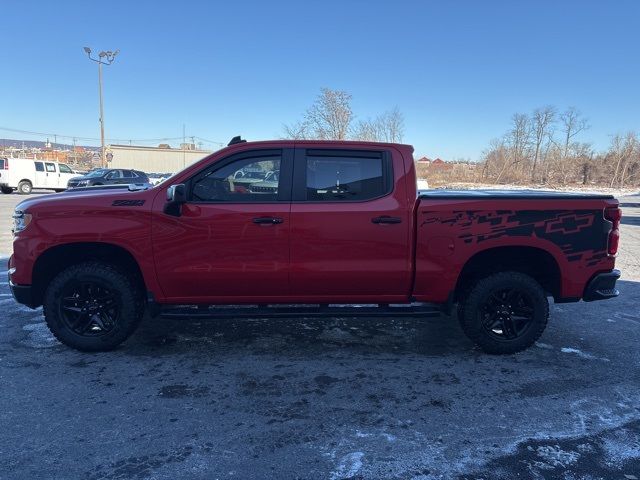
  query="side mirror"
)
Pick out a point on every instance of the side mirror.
point(176, 196)
point(177, 193)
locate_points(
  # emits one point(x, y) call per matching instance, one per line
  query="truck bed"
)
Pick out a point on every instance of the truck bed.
point(511, 194)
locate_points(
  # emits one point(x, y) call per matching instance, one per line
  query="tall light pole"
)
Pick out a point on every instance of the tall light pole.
point(104, 58)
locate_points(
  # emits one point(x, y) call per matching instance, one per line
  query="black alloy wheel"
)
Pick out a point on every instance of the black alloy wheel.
point(89, 308)
point(505, 312)
point(93, 306)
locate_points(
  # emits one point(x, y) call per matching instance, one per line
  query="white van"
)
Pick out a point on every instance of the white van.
point(24, 175)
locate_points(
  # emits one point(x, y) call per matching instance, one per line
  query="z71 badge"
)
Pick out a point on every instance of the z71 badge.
point(127, 203)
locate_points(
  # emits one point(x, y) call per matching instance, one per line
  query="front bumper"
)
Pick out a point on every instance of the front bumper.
point(602, 286)
point(23, 294)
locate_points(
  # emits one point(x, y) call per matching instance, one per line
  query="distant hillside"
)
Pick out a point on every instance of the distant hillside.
point(8, 142)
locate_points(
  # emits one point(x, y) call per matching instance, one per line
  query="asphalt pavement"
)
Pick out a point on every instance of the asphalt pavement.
point(326, 399)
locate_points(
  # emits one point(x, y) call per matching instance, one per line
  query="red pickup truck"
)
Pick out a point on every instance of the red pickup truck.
point(309, 228)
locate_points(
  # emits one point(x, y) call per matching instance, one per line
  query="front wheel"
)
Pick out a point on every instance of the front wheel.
point(92, 307)
point(504, 313)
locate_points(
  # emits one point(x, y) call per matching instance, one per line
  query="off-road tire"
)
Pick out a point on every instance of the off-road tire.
point(471, 317)
point(122, 287)
point(25, 187)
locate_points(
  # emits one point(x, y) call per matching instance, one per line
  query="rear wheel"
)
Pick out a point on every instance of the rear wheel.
point(6, 189)
point(25, 187)
point(92, 307)
point(504, 313)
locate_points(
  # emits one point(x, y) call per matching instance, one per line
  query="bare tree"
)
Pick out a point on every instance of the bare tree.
point(622, 152)
point(518, 140)
point(329, 118)
point(572, 124)
point(542, 119)
point(296, 131)
point(388, 127)
point(391, 126)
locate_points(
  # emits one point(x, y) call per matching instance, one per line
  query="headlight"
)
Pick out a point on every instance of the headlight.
point(83, 183)
point(21, 220)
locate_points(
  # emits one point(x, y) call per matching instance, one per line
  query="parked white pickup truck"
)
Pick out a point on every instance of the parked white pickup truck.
point(23, 175)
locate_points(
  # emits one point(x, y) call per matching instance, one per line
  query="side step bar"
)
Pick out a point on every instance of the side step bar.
point(300, 311)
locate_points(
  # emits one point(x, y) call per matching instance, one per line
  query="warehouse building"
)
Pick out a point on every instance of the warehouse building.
point(161, 159)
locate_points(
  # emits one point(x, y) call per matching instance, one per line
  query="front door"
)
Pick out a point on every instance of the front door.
point(52, 175)
point(64, 175)
point(350, 226)
point(231, 241)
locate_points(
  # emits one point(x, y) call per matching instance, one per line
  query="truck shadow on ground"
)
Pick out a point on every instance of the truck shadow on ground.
point(426, 336)
point(360, 335)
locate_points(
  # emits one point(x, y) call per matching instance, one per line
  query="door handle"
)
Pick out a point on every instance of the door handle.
point(267, 220)
point(386, 219)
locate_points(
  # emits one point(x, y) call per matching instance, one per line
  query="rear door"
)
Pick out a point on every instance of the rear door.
point(229, 244)
point(40, 176)
point(350, 225)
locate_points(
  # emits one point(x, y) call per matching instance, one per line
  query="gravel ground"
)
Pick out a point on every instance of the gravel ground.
point(326, 399)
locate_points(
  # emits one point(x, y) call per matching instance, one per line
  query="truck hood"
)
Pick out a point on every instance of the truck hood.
point(91, 196)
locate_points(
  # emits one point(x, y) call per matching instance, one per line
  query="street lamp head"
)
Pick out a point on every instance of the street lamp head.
point(87, 50)
point(102, 54)
point(116, 52)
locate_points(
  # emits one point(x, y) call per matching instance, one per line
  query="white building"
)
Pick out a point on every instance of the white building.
point(153, 159)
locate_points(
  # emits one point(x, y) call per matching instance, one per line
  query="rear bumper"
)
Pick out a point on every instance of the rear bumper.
point(602, 286)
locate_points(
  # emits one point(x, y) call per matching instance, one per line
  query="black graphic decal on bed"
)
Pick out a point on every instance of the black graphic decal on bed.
point(581, 234)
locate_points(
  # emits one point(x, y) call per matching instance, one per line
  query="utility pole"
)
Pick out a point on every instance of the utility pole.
point(104, 58)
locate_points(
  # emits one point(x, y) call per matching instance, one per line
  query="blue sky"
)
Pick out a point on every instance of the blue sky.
point(457, 70)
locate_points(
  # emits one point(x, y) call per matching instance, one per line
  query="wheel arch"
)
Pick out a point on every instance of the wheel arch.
point(55, 259)
point(535, 262)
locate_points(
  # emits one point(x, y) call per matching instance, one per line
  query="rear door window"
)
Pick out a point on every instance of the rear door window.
point(39, 166)
point(2, 163)
point(51, 167)
point(341, 176)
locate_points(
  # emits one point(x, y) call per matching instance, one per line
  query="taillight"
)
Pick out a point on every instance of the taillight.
point(613, 214)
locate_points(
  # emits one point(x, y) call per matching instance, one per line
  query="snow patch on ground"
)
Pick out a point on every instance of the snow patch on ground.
point(348, 467)
point(581, 354)
point(553, 456)
point(39, 336)
point(621, 446)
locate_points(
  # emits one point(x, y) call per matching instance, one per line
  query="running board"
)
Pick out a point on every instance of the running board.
point(301, 311)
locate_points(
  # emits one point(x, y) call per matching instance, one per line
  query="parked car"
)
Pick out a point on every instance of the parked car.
point(344, 233)
point(156, 178)
point(23, 175)
point(108, 176)
point(268, 185)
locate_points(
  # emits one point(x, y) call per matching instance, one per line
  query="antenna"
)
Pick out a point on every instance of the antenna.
point(236, 139)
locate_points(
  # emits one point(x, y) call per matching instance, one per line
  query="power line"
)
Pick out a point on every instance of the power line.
point(112, 140)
